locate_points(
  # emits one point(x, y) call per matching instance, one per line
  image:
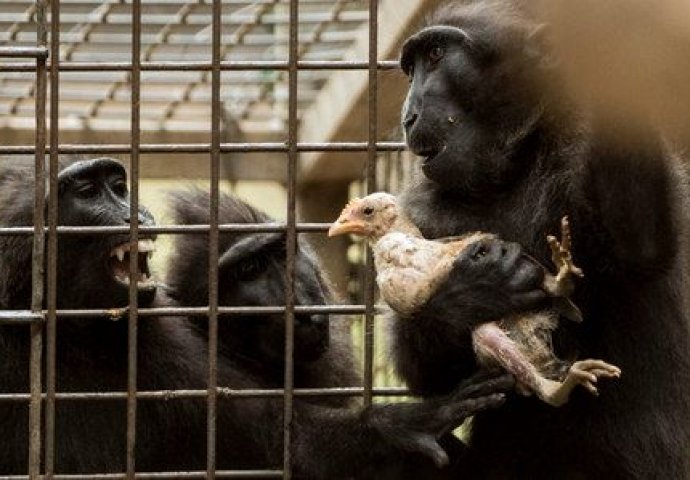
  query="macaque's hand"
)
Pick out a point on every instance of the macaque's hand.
point(490, 279)
point(418, 426)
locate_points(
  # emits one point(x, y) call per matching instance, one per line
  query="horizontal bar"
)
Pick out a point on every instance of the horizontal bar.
point(224, 392)
point(204, 66)
point(10, 317)
point(21, 317)
point(203, 311)
point(16, 52)
point(159, 475)
point(172, 229)
point(206, 148)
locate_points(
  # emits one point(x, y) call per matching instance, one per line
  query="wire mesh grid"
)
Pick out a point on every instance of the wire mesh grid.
point(56, 52)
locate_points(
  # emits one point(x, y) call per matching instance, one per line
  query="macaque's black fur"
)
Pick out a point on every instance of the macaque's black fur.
point(91, 353)
point(515, 158)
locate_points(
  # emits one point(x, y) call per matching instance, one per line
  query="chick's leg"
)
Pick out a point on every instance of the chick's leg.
point(585, 373)
point(493, 345)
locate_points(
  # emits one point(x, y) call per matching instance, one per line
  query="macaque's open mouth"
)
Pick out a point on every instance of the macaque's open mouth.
point(119, 259)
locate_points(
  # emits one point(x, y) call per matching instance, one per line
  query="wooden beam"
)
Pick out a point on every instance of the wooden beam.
point(340, 111)
point(235, 166)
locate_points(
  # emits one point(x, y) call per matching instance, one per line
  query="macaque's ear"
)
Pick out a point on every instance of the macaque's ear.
point(539, 46)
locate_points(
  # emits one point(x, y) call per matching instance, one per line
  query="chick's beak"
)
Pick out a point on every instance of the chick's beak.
point(345, 224)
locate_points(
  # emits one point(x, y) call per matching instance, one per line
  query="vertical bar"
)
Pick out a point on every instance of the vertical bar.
point(37, 266)
point(291, 243)
point(134, 240)
point(213, 244)
point(371, 187)
point(51, 333)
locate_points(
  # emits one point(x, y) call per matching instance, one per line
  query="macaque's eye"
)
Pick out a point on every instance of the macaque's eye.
point(251, 268)
point(86, 190)
point(368, 211)
point(436, 53)
point(120, 188)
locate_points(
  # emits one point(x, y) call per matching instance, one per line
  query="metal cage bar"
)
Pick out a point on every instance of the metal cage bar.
point(135, 81)
point(225, 66)
point(51, 301)
point(22, 316)
point(37, 259)
point(224, 392)
point(291, 247)
point(38, 315)
point(370, 168)
point(213, 242)
point(265, 147)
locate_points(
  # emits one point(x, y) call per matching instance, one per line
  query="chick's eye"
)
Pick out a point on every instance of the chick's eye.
point(368, 211)
point(436, 53)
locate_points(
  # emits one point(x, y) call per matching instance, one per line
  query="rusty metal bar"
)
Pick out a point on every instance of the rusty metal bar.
point(213, 241)
point(226, 66)
point(18, 317)
point(292, 147)
point(163, 475)
point(224, 392)
point(264, 147)
point(51, 301)
point(39, 52)
point(369, 277)
point(135, 139)
point(291, 248)
point(37, 259)
point(173, 229)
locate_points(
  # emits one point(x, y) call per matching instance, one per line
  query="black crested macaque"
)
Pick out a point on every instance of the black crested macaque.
point(505, 151)
point(91, 352)
point(333, 438)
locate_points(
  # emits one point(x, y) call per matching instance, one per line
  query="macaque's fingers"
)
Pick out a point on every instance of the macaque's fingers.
point(482, 385)
point(529, 299)
point(427, 445)
point(466, 408)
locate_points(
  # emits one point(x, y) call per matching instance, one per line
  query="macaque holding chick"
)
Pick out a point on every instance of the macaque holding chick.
point(410, 268)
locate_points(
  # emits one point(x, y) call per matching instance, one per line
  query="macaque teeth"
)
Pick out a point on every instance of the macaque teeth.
point(147, 246)
point(120, 253)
